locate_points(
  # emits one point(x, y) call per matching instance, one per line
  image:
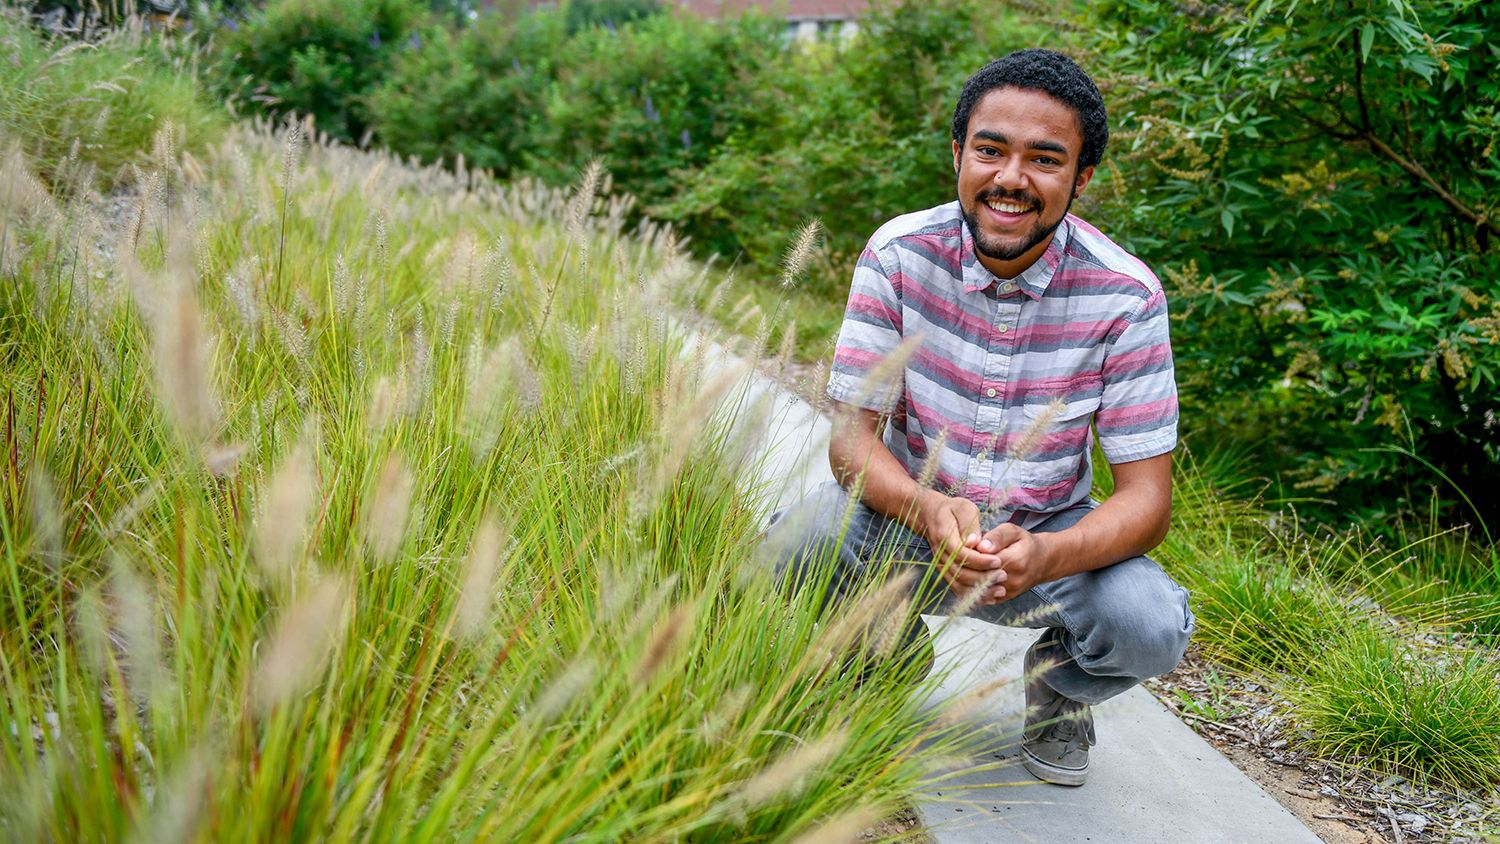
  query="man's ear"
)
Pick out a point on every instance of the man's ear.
point(1084, 175)
point(957, 152)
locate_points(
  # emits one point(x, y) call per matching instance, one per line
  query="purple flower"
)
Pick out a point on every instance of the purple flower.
point(651, 113)
point(687, 140)
point(375, 39)
point(414, 42)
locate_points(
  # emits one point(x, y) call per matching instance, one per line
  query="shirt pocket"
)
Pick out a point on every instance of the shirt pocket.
point(1054, 439)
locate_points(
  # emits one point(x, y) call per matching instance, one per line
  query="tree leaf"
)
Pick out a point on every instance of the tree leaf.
point(1366, 40)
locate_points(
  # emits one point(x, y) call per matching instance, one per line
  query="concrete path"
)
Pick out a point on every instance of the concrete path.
point(1152, 779)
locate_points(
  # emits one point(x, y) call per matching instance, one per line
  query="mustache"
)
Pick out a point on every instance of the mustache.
point(1018, 197)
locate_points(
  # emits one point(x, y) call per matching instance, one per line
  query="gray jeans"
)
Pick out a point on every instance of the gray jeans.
point(1118, 625)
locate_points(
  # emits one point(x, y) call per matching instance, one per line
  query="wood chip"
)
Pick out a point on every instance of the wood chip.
point(1345, 818)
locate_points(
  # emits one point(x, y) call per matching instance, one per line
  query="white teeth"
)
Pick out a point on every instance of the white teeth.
point(1008, 207)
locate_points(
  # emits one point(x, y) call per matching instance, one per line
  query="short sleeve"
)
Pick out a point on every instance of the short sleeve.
point(1137, 415)
point(871, 331)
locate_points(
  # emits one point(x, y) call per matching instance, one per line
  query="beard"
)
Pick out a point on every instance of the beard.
point(994, 248)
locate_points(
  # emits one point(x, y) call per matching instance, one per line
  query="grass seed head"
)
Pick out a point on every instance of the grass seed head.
point(477, 586)
point(582, 203)
point(241, 283)
point(46, 518)
point(522, 378)
point(679, 435)
point(127, 514)
point(381, 248)
point(558, 695)
point(343, 288)
point(178, 804)
point(21, 192)
point(934, 459)
point(789, 774)
point(93, 631)
point(854, 625)
point(1027, 443)
point(843, 828)
point(286, 510)
point(882, 383)
point(387, 398)
point(663, 643)
point(800, 253)
point(222, 458)
point(135, 619)
point(183, 364)
point(291, 153)
point(305, 636)
point(389, 508)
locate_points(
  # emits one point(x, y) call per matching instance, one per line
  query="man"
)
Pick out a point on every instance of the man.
point(1010, 327)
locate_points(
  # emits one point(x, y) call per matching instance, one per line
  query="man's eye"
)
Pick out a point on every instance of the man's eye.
point(1047, 160)
point(988, 151)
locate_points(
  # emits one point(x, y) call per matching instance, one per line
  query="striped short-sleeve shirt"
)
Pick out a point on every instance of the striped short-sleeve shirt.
point(995, 367)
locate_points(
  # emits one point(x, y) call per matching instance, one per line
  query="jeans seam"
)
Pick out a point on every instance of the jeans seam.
point(1062, 613)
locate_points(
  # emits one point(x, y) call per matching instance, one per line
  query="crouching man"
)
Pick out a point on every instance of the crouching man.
point(1017, 328)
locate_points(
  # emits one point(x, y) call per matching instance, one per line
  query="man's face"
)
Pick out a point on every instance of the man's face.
point(1017, 175)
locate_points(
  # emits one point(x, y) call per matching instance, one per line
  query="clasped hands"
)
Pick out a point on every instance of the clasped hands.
point(1004, 561)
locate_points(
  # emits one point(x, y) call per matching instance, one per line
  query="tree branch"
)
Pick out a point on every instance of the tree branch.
point(1380, 147)
point(1383, 149)
point(1330, 129)
point(1359, 84)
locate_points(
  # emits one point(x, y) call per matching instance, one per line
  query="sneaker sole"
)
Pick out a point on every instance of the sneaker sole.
point(1048, 772)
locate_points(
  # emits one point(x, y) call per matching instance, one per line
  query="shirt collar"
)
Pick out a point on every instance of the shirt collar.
point(1033, 280)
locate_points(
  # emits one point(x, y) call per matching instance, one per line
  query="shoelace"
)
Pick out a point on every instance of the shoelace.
point(1066, 730)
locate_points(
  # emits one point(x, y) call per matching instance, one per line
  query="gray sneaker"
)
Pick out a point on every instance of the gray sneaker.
point(1059, 730)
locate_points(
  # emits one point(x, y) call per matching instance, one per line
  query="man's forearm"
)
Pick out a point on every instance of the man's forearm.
point(857, 454)
point(1129, 523)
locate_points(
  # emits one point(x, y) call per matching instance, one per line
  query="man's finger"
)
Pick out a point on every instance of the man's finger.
point(972, 559)
point(1000, 537)
point(974, 576)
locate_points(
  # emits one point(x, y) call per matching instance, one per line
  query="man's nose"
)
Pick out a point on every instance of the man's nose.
point(1010, 175)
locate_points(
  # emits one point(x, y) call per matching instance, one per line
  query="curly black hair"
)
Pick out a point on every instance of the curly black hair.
point(1051, 73)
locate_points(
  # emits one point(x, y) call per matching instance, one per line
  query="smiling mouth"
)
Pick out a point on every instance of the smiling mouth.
point(1008, 206)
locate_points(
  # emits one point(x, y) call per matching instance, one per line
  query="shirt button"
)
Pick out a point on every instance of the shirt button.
point(990, 392)
point(1007, 287)
point(1002, 328)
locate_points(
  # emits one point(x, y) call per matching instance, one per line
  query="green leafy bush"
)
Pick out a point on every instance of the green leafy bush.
point(851, 133)
point(582, 14)
point(477, 93)
point(653, 99)
point(318, 57)
point(1317, 185)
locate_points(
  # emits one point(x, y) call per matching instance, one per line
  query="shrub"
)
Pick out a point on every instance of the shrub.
point(477, 93)
point(582, 14)
point(851, 133)
point(653, 99)
point(1316, 185)
point(317, 57)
